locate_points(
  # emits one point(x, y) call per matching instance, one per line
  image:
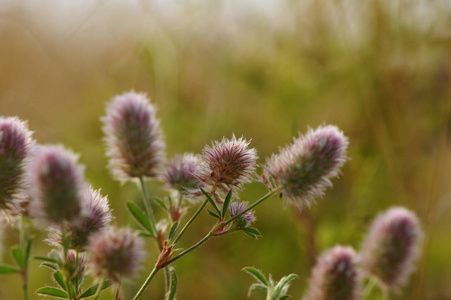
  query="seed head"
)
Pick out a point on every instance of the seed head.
point(245, 219)
point(391, 247)
point(15, 148)
point(303, 170)
point(335, 276)
point(133, 137)
point(179, 174)
point(227, 164)
point(57, 188)
point(116, 253)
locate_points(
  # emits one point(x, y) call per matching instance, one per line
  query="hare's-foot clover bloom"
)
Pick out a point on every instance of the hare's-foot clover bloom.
point(245, 219)
point(57, 187)
point(227, 164)
point(391, 247)
point(133, 137)
point(15, 148)
point(303, 170)
point(335, 276)
point(97, 219)
point(116, 253)
point(179, 174)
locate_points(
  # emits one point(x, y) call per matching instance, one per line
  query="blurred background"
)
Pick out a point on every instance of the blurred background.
point(379, 70)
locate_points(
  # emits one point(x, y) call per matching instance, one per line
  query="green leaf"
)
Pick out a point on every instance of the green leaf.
point(140, 217)
point(28, 252)
point(251, 235)
point(257, 274)
point(212, 202)
point(47, 259)
point(17, 254)
point(50, 265)
point(213, 214)
point(5, 269)
point(253, 231)
point(225, 206)
point(256, 287)
point(144, 234)
point(172, 285)
point(91, 291)
point(51, 291)
point(160, 203)
point(287, 279)
point(59, 278)
point(173, 230)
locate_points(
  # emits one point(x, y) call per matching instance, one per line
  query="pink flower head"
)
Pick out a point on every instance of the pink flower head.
point(391, 247)
point(245, 219)
point(227, 164)
point(15, 148)
point(179, 174)
point(303, 170)
point(133, 137)
point(57, 187)
point(116, 253)
point(335, 276)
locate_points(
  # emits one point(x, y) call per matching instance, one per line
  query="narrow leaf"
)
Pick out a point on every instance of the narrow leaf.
point(51, 291)
point(257, 274)
point(173, 285)
point(251, 235)
point(160, 203)
point(140, 217)
point(50, 265)
point(59, 278)
point(212, 202)
point(256, 287)
point(91, 291)
point(144, 234)
point(253, 231)
point(5, 269)
point(213, 214)
point(28, 252)
point(173, 230)
point(225, 206)
point(17, 254)
point(45, 258)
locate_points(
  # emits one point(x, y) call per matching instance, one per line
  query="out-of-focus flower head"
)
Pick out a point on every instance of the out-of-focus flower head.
point(133, 137)
point(227, 164)
point(97, 219)
point(116, 253)
point(245, 219)
point(72, 267)
point(57, 188)
point(302, 170)
point(179, 174)
point(15, 148)
point(391, 247)
point(335, 276)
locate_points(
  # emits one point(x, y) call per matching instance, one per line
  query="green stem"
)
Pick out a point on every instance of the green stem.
point(190, 221)
point(198, 244)
point(146, 283)
point(116, 297)
point(99, 289)
point(369, 287)
point(148, 205)
point(23, 241)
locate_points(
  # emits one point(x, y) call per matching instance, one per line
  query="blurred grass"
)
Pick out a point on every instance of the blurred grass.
point(380, 70)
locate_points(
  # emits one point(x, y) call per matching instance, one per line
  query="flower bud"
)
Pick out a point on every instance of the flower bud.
point(133, 137)
point(303, 170)
point(245, 219)
point(391, 247)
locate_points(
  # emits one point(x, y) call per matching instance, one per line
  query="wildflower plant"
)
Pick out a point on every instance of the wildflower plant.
point(89, 254)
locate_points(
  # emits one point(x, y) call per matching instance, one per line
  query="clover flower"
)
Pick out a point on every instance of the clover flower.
point(227, 164)
point(57, 188)
point(179, 173)
point(335, 276)
point(302, 170)
point(391, 247)
point(116, 253)
point(245, 219)
point(15, 148)
point(133, 137)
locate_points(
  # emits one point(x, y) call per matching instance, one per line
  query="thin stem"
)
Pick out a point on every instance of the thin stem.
point(166, 279)
point(116, 297)
point(99, 289)
point(385, 293)
point(369, 287)
point(198, 244)
point(147, 204)
point(23, 241)
point(146, 283)
point(190, 221)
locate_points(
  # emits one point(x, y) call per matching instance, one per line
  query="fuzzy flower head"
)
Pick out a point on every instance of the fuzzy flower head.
point(116, 253)
point(335, 276)
point(15, 147)
point(179, 174)
point(227, 164)
point(133, 137)
point(303, 170)
point(73, 267)
point(57, 188)
point(391, 247)
point(245, 219)
point(96, 220)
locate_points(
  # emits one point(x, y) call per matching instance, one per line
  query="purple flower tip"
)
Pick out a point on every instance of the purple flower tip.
point(245, 219)
point(133, 137)
point(391, 247)
point(302, 170)
point(335, 276)
point(179, 173)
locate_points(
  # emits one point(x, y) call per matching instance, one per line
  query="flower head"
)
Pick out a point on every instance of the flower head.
point(303, 170)
point(15, 148)
point(245, 219)
point(116, 253)
point(335, 276)
point(179, 174)
point(227, 164)
point(133, 137)
point(97, 219)
point(57, 188)
point(391, 247)
point(73, 267)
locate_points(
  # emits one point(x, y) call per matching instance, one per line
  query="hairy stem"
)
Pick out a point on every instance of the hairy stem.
point(23, 241)
point(190, 221)
point(146, 283)
point(147, 204)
